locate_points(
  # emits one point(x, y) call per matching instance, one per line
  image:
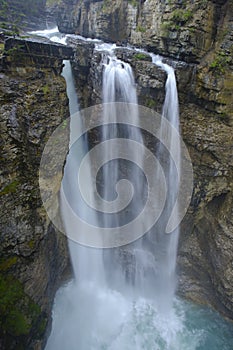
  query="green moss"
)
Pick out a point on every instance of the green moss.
point(165, 27)
point(134, 3)
point(42, 327)
point(177, 26)
point(64, 124)
point(150, 103)
point(16, 323)
point(12, 51)
point(18, 313)
point(3, 25)
point(168, 26)
point(181, 16)
point(1, 48)
point(142, 57)
point(7, 31)
point(12, 319)
point(15, 53)
point(191, 30)
point(140, 29)
point(45, 89)
point(106, 4)
point(34, 309)
point(53, 2)
point(10, 188)
point(31, 243)
point(6, 264)
point(220, 62)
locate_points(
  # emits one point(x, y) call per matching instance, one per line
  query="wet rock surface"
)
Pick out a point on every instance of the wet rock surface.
point(34, 254)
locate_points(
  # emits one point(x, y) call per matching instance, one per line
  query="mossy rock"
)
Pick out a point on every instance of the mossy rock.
point(53, 2)
point(181, 16)
point(134, 3)
point(7, 263)
point(21, 320)
point(2, 45)
point(142, 57)
point(10, 188)
point(220, 62)
point(140, 29)
point(150, 103)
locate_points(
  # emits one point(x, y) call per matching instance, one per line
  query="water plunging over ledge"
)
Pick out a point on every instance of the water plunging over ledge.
point(105, 307)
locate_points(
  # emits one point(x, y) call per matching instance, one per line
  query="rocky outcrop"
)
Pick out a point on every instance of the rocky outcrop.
point(30, 52)
point(33, 254)
point(207, 122)
point(27, 14)
point(204, 79)
point(100, 19)
point(180, 29)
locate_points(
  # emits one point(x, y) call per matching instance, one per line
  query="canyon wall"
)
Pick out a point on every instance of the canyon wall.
point(33, 254)
point(196, 38)
point(27, 14)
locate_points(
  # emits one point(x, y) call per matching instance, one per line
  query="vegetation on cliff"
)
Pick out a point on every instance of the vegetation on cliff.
point(15, 14)
point(19, 315)
point(33, 254)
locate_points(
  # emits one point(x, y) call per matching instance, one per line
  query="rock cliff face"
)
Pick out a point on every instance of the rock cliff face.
point(33, 254)
point(101, 19)
point(29, 14)
point(196, 38)
point(184, 30)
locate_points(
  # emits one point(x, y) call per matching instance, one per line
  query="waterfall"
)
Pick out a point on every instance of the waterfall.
point(118, 86)
point(168, 244)
point(120, 98)
point(119, 281)
point(154, 256)
point(123, 298)
point(113, 281)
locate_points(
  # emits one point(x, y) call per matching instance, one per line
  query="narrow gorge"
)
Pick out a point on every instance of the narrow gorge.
point(121, 37)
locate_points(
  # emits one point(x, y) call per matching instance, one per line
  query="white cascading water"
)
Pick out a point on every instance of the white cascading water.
point(118, 86)
point(101, 288)
point(108, 306)
point(168, 244)
point(153, 275)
